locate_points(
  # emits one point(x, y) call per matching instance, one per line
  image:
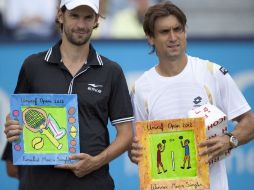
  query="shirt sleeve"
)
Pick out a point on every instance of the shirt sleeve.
point(232, 101)
point(120, 108)
point(139, 103)
point(23, 82)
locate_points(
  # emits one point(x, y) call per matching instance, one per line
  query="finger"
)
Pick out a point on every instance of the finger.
point(135, 159)
point(136, 146)
point(78, 173)
point(78, 156)
point(12, 129)
point(136, 152)
point(135, 156)
point(217, 150)
point(9, 123)
point(207, 143)
point(8, 117)
point(213, 155)
point(9, 127)
point(12, 139)
point(212, 149)
point(13, 133)
point(135, 139)
point(208, 150)
point(12, 125)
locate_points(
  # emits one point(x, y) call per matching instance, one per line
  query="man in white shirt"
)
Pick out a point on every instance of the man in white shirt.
point(179, 83)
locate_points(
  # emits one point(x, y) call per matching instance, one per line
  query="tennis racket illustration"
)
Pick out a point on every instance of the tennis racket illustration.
point(35, 120)
point(173, 160)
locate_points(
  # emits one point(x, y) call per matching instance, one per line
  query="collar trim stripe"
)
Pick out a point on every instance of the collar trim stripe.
point(72, 81)
point(48, 55)
point(99, 59)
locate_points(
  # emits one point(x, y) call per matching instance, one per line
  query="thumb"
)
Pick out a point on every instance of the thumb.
point(8, 117)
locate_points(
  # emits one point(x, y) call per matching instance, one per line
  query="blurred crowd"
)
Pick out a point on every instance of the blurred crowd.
point(26, 19)
point(122, 19)
point(23, 19)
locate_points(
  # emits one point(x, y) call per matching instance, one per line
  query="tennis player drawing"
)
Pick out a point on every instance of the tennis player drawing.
point(160, 149)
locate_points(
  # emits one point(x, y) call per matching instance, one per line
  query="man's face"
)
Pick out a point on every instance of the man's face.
point(78, 24)
point(169, 38)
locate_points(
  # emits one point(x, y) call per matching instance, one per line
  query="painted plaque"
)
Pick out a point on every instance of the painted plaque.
point(50, 128)
point(170, 156)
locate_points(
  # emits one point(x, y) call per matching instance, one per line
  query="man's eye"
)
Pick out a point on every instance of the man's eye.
point(74, 16)
point(164, 31)
point(178, 29)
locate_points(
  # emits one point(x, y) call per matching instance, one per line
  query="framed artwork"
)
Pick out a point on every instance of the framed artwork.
point(170, 154)
point(50, 128)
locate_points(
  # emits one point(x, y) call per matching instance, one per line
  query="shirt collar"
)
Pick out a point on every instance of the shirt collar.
point(53, 55)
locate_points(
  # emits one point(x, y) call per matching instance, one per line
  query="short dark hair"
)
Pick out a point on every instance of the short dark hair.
point(162, 10)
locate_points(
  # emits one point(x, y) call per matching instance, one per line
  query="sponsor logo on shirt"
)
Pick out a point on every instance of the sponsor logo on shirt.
point(95, 88)
point(197, 101)
point(223, 70)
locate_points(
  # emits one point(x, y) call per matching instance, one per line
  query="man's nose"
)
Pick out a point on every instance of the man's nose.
point(172, 35)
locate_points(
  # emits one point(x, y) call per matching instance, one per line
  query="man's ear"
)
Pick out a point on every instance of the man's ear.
point(60, 16)
point(150, 40)
point(97, 18)
point(96, 23)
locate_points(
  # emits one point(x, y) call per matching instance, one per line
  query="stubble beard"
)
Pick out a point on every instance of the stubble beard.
point(78, 40)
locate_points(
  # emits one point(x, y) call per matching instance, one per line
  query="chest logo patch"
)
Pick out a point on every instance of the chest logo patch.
point(197, 100)
point(95, 88)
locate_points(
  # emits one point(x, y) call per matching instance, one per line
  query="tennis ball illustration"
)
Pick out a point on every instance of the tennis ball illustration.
point(37, 143)
point(71, 110)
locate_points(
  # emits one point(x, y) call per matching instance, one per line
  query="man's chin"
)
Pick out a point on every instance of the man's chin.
point(80, 42)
